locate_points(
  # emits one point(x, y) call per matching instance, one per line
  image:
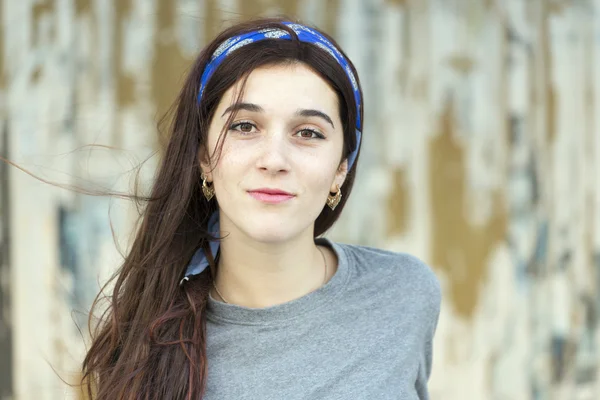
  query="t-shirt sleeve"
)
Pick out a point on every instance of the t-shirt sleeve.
point(426, 356)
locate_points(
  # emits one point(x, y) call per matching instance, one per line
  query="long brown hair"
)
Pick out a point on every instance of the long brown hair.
point(150, 342)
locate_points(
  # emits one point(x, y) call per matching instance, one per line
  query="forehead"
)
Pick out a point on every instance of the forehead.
point(293, 86)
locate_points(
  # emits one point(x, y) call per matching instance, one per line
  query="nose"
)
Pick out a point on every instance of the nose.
point(274, 154)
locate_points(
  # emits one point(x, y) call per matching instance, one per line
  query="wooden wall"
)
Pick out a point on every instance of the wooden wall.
point(481, 156)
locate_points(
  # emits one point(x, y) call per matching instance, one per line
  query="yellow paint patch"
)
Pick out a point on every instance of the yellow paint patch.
point(264, 8)
point(2, 65)
point(169, 64)
point(550, 112)
point(252, 8)
point(38, 10)
point(83, 6)
point(556, 6)
point(213, 24)
point(548, 90)
point(330, 21)
point(398, 2)
point(125, 83)
point(458, 247)
point(461, 63)
point(290, 8)
point(397, 204)
point(36, 74)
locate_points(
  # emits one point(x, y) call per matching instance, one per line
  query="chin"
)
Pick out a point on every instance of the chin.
point(270, 234)
point(270, 229)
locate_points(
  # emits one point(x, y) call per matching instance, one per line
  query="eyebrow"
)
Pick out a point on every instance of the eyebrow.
point(256, 108)
point(243, 106)
point(315, 113)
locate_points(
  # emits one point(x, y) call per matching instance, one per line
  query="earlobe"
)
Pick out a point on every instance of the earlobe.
point(204, 175)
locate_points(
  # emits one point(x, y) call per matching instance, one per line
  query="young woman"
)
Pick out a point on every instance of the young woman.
point(228, 291)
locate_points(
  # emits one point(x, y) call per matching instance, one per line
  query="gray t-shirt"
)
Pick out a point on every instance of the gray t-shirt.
point(365, 334)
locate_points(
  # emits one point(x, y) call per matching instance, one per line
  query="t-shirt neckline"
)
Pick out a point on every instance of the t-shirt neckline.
point(218, 311)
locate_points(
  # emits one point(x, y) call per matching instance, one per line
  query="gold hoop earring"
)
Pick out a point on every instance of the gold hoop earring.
point(209, 191)
point(333, 201)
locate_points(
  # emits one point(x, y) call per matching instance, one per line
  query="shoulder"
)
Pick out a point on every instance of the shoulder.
point(367, 259)
point(401, 273)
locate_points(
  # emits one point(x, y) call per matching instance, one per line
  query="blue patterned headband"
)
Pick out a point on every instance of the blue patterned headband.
point(199, 262)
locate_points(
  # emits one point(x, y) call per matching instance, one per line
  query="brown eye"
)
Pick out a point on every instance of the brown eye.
point(246, 127)
point(243, 127)
point(306, 134)
point(309, 134)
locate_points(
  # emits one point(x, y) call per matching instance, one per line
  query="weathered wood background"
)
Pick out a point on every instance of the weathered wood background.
point(481, 156)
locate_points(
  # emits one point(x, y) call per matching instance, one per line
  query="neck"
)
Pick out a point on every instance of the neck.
point(258, 275)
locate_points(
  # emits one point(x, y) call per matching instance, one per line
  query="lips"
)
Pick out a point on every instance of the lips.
point(271, 196)
point(271, 191)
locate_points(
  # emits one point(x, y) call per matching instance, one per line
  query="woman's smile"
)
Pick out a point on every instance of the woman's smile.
point(271, 196)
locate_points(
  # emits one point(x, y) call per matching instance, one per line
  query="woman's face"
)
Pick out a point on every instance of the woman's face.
point(286, 137)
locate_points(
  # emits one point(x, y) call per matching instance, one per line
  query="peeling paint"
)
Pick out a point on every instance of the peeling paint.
point(480, 156)
point(461, 63)
point(169, 63)
point(125, 82)
point(397, 204)
point(253, 8)
point(212, 20)
point(2, 65)
point(83, 6)
point(40, 9)
point(330, 22)
point(398, 2)
point(459, 248)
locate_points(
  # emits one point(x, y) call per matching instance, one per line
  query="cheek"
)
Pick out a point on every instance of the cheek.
point(232, 163)
point(321, 175)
